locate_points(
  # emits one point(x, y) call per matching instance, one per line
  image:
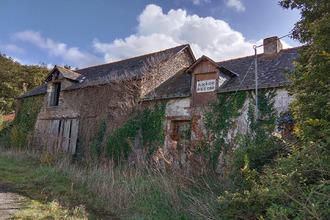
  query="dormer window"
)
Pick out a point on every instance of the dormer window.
point(55, 94)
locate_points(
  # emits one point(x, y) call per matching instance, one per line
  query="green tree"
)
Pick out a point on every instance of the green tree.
point(307, 168)
point(259, 146)
point(8, 83)
point(16, 79)
point(297, 187)
point(310, 81)
point(66, 66)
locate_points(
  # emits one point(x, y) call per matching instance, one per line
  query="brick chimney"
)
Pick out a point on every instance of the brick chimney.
point(272, 45)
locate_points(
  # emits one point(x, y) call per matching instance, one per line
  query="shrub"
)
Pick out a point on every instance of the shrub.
point(17, 134)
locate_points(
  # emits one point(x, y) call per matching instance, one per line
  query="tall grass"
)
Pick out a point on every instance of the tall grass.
point(139, 192)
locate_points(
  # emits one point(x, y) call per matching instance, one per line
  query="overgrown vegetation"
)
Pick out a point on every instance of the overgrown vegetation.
point(152, 127)
point(17, 134)
point(34, 209)
point(119, 143)
point(270, 178)
point(149, 124)
point(16, 79)
point(220, 120)
point(97, 140)
point(296, 184)
point(106, 193)
point(259, 146)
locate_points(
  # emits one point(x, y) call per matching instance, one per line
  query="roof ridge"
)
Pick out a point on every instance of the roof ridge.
point(254, 55)
point(68, 70)
point(148, 54)
point(239, 58)
point(200, 60)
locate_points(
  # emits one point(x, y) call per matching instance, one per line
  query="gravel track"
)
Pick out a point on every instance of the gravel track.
point(9, 203)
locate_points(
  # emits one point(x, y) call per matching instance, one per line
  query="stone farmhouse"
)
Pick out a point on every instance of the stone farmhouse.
point(75, 101)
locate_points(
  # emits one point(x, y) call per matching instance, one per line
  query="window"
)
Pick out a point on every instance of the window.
point(181, 133)
point(55, 94)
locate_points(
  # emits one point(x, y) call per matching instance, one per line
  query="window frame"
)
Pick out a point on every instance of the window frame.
point(55, 94)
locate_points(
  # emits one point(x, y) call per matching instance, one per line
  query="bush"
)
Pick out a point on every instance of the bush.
point(17, 133)
point(149, 123)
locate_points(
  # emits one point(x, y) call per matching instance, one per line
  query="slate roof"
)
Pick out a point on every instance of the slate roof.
point(270, 70)
point(40, 90)
point(175, 87)
point(69, 74)
point(132, 68)
point(270, 75)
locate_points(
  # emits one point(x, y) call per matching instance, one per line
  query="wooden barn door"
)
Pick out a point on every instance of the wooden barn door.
point(63, 135)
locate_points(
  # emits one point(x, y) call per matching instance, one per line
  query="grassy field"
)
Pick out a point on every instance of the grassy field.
point(105, 193)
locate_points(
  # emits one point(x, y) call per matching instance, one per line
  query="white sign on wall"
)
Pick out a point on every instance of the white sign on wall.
point(205, 85)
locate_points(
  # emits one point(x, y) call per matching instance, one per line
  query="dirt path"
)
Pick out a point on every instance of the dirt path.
point(9, 203)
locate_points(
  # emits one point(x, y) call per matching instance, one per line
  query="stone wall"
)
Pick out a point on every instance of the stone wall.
point(79, 111)
point(179, 110)
point(85, 107)
point(77, 117)
point(166, 70)
point(282, 101)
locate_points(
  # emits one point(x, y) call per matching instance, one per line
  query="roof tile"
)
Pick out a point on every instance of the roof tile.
point(270, 70)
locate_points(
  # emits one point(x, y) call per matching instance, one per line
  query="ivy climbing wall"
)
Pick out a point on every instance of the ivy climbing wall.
point(215, 129)
point(84, 112)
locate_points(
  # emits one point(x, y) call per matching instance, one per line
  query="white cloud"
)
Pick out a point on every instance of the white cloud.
point(236, 4)
point(12, 48)
point(157, 31)
point(285, 44)
point(71, 55)
point(197, 2)
point(134, 46)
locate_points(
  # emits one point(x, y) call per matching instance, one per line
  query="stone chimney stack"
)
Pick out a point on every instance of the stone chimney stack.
point(272, 45)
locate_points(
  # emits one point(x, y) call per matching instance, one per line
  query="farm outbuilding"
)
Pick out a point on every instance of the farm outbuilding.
point(76, 101)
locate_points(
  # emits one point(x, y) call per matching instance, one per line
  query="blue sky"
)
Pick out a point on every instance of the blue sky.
point(82, 33)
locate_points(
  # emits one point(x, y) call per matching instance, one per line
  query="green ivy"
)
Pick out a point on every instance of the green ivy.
point(221, 119)
point(119, 142)
point(150, 123)
point(97, 140)
point(259, 144)
point(186, 134)
point(17, 134)
point(81, 149)
point(258, 149)
point(267, 114)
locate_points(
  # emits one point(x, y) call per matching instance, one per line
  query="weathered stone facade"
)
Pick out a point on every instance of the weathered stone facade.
point(79, 111)
point(76, 101)
point(181, 111)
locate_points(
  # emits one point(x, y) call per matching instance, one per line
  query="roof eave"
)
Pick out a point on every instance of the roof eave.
point(51, 72)
point(252, 87)
point(227, 71)
point(190, 52)
point(178, 95)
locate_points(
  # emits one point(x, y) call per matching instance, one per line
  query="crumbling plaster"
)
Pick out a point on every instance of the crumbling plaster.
point(178, 109)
